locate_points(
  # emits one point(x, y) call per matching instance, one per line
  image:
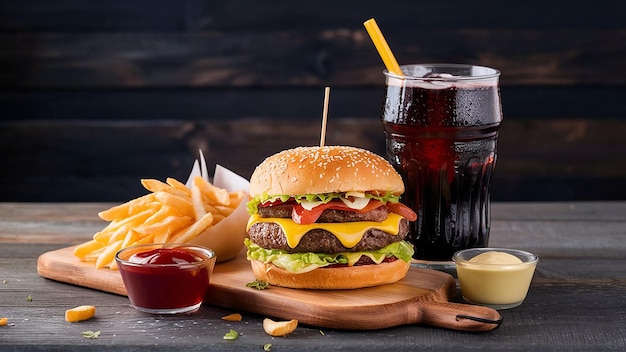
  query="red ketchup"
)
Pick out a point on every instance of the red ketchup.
point(167, 280)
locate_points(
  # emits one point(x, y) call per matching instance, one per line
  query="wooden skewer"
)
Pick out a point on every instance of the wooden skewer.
point(324, 116)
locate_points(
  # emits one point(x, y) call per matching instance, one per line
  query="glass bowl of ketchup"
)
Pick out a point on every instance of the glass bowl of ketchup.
point(166, 278)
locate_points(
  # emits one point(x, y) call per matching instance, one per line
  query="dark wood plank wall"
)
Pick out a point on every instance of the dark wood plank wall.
point(95, 95)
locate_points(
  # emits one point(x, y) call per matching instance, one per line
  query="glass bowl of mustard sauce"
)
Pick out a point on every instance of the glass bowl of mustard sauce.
point(495, 277)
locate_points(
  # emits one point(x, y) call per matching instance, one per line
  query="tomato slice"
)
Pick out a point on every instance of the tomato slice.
point(402, 210)
point(306, 217)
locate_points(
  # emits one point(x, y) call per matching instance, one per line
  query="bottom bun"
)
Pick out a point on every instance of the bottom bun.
point(347, 277)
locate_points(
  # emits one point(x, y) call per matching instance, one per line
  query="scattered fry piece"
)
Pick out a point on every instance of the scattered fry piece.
point(79, 313)
point(279, 328)
point(4, 321)
point(232, 317)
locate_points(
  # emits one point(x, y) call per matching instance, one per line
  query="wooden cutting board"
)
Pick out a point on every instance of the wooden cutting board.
point(420, 298)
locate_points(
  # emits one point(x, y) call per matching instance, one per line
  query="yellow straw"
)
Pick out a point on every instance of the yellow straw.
point(383, 48)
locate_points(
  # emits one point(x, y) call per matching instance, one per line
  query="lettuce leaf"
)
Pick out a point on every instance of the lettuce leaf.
point(305, 262)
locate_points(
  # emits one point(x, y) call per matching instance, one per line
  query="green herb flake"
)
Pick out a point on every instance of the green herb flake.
point(267, 347)
point(258, 284)
point(29, 298)
point(91, 334)
point(231, 335)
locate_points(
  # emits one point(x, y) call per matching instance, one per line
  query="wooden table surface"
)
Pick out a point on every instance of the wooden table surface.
point(577, 300)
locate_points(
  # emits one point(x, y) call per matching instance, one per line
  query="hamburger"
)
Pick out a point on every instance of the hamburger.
point(327, 218)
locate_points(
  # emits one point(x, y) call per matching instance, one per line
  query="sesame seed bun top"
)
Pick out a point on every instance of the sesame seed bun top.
point(317, 170)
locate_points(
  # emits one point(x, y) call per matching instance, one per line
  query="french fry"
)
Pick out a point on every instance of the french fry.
point(132, 236)
point(162, 236)
point(104, 236)
point(217, 218)
point(82, 250)
point(155, 186)
point(151, 225)
point(183, 204)
point(197, 202)
point(224, 210)
point(93, 256)
point(210, 208)
point(140, 207)
point(171, 222)
point(108, 254)
point(123, 210)
point(167, 227)
point(119, 234)
point(132, 220)
point(236, 198)
point(213, 193)
point(157, 217)
point(144, 240)
point(194, 230)
point(133, 224)
point(178, 185)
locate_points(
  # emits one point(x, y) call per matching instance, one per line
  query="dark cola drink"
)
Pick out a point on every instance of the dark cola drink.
point(441, 125)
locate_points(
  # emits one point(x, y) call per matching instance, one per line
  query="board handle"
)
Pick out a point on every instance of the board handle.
point(458, 316)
